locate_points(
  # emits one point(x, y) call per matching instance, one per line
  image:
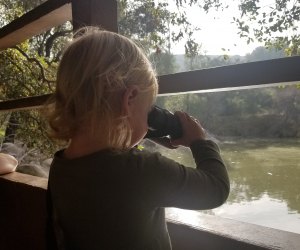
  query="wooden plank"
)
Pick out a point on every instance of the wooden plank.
point(23, 206)
point(95, 13)
point(47, 15)
point(214, 233)
point(24, 103)
point(235, 76)
point(247, 75)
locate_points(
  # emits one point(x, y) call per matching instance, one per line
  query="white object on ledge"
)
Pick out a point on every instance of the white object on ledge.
point(8, 163)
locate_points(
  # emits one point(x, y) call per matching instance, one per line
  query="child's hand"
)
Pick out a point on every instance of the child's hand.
point(192, 130)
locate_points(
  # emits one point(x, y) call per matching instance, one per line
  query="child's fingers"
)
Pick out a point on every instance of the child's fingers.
point(182, 116)
point(192, 129)
point(186, 119)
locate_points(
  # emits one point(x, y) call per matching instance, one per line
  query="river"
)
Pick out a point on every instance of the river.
point(265, 181)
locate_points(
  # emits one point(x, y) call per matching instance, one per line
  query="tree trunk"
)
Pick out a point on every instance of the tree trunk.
point(11, 128)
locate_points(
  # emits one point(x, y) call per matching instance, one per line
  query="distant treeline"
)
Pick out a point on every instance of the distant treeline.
point(261, 112)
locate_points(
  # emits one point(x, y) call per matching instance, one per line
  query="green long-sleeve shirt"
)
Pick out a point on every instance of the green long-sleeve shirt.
point(109, 200)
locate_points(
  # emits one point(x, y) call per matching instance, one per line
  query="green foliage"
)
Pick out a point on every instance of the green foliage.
point(142, 20)
point(152, 24)
point(276, 24)
point(262, 112)
point(28, 69)
point(164, 63)
point(32, 129)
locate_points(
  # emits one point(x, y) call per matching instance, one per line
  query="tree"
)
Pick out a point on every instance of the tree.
point(164, 63)
point(275, 23)
point(28, 69)
point(262, 53)
point(150, 23)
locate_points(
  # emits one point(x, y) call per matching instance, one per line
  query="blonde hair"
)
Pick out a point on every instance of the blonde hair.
point(95, 69)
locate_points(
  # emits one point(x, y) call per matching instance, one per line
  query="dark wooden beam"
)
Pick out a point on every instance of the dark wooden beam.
point(49, 14)
point(24, 103)
point(95, 13)
point(235, 76)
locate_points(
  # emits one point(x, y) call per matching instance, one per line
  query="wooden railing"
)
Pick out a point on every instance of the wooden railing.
point(42, 18)
point(55, 12)
point(23, 223)
point(246, 75)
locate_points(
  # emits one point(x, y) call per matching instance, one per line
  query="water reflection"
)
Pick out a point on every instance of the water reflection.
point(260, 167)
point(265, 181)
point(264, 211)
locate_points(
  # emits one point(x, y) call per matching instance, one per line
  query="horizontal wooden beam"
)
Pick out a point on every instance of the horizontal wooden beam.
point(24, 103)
point(214, 232)
point(47, 15)
point(247, 75)
point(234, 76)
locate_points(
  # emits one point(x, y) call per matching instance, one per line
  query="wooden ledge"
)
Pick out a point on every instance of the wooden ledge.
point(23, 202)
point(26, 179)
point(23, 212)
point(214, 231)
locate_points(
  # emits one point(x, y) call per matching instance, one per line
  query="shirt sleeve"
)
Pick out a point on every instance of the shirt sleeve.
point(170, 184)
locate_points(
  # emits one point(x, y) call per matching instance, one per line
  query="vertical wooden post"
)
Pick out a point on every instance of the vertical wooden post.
point(102, 13)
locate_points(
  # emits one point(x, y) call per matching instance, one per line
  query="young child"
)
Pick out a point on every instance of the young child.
point(106, 194)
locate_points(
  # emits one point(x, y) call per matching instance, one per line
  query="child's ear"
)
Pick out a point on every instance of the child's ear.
point(129, 97)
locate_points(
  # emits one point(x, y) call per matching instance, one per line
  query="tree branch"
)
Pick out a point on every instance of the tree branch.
point(36, 61)
point(20, 69)
point(51, 39)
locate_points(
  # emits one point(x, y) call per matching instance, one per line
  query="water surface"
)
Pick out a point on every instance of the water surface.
point(265, 182)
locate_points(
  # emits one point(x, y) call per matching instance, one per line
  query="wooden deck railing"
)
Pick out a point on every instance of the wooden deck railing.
point(246, 75)
point(24, 226)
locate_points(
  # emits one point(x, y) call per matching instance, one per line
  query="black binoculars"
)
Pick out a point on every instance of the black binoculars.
point(162, 122)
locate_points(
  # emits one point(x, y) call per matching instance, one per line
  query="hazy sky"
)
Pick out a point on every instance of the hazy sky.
point(216, 32)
